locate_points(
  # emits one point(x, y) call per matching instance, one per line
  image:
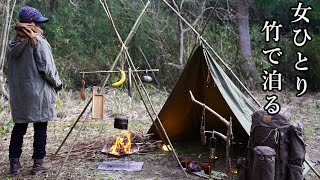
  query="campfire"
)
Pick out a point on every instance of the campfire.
point(126, 143)
point(120, 147)
point(166, 148)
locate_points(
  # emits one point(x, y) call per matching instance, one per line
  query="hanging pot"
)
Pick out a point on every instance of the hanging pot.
point(120, 123)
point(146, 79)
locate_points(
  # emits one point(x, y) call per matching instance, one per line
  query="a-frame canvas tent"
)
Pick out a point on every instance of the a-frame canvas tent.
point(210, 85)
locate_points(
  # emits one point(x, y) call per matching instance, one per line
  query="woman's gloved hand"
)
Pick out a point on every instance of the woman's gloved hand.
point(58, 88)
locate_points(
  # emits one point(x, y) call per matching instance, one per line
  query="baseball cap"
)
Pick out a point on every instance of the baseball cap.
point(29, 14)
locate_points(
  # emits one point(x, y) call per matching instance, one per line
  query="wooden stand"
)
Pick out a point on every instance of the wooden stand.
point(97, 103)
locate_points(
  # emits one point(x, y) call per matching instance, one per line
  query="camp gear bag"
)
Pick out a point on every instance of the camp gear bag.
point(272, 131)
point(297, 145)
point(297, 152)
point(295, 172)
point(263, 163)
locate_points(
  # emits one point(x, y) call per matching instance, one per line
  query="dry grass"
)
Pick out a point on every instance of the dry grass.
point(117, 103)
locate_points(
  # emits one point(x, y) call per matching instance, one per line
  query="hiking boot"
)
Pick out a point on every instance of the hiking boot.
point(40, 166)
point(15, 166)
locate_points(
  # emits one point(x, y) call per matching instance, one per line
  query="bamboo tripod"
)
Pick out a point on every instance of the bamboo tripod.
point(137, 81)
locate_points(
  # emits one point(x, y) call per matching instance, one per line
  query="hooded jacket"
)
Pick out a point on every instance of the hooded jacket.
point(32, 77)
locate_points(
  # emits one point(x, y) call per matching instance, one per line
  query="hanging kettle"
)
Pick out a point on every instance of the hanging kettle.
point(120, 123)
point(146, 78)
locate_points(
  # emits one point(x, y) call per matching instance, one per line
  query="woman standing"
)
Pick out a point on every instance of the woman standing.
point(33, 82)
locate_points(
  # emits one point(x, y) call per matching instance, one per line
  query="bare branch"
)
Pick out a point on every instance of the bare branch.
point(175, 5)
point(178, 66)
point(74, 4)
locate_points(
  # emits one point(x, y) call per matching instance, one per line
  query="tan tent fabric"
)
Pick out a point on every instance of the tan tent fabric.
point(181, 117)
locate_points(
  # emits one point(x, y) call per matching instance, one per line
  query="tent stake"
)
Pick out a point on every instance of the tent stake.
point(207, 44)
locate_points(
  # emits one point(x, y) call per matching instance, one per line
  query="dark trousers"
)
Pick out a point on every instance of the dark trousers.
point(39, 140)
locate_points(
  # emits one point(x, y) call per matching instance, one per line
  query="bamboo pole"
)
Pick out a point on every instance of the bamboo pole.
point(126, 53)
point(228, 147)
point(4, 45)
point(145, 58)
point(5, 34)
point(127, 40)
point(312, 168)
point(207, 44)
point(111, 71)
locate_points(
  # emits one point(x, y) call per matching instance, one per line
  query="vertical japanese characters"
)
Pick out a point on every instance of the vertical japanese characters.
point(272, 80)
point(300, 38)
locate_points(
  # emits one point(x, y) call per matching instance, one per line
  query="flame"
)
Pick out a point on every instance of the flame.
point(166, 148)
point(119, 147)
point(234, 171)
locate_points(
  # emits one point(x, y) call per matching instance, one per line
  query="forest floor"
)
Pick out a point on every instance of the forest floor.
point(157, 165)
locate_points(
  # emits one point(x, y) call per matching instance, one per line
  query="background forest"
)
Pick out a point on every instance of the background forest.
point(82, 37)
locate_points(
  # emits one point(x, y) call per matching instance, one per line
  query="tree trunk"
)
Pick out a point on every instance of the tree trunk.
point(181, 43)
point(244, 46)
point(243, 28)
point(51, 4)
point(3, 90)
point(4, 44)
